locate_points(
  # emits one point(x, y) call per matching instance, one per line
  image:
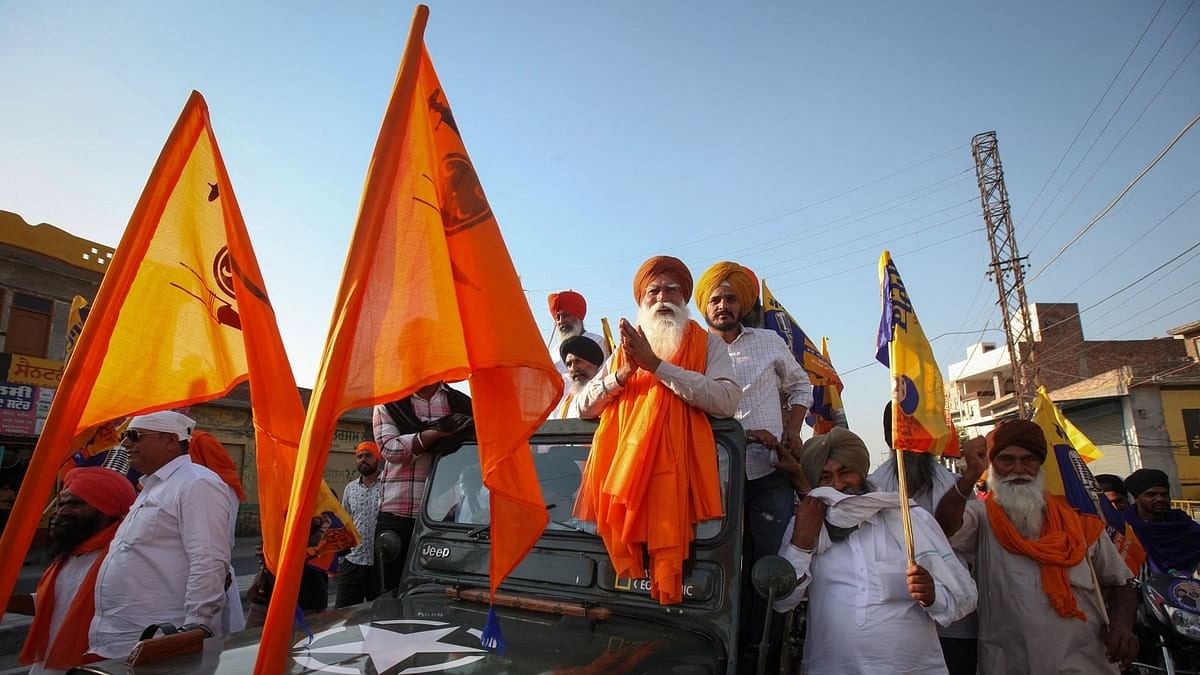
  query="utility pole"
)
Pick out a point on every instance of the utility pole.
point(1007, 268)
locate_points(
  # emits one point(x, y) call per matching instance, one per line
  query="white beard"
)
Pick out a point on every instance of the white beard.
point(569, 330)
point(664, 331)
point(1025, 503)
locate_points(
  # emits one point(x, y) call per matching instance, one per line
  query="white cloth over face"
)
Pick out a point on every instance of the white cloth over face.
point(168, 561)
point(1019, 632)
point(942, 481)
point(861, 616)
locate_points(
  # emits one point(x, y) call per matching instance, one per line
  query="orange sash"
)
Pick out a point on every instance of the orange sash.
point(652, 474)
point(1065, 539)
point(71, 643)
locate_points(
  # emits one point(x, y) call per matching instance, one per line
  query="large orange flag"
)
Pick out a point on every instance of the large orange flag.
point(428, 293)
point(181, 317)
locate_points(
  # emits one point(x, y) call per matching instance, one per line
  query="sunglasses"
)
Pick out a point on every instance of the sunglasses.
point(133, 435)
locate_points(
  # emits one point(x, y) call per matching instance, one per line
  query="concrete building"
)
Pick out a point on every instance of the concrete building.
point(1137, 400)
point(42, 269)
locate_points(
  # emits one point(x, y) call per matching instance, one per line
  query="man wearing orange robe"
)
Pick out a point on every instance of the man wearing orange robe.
point(654, 450)
point(90, 507)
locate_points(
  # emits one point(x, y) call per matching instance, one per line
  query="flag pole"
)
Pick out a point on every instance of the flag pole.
point(901, 478)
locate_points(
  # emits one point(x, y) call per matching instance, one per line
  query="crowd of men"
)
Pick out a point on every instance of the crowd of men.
point(1016, 582)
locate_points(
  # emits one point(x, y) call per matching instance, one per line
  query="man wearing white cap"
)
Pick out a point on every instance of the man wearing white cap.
point(168, 560)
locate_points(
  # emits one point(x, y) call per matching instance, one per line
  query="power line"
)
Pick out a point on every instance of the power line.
point(789, 212)
point(1132, 243)
point(1105, 128)
point(1114, 201)
point(1092, 114)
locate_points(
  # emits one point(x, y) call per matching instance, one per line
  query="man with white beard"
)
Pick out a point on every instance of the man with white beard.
point(652, 471)
point(1040, 610)
point(568, 308)
point(583, 358)
point(663, 286)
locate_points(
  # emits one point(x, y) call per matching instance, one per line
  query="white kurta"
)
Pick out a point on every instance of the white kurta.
point(1019, 632)
point(861, 616)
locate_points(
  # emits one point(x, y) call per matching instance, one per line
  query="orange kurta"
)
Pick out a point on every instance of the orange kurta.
point(652, 475)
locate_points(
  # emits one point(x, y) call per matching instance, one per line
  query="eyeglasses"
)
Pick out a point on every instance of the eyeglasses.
point(133, 435)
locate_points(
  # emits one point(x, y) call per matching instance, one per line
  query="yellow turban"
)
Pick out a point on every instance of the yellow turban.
point(840, 445)
point(740, 279)
point(662, 264)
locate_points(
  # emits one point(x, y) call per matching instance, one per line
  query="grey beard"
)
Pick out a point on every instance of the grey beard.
point(569, 331)
point(840, 534)
point(1023, 503)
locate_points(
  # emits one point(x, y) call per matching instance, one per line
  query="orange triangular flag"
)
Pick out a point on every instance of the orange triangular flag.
point(181, 317)
point(428, 293)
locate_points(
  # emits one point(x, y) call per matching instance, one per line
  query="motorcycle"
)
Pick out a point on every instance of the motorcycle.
point(1168, 623)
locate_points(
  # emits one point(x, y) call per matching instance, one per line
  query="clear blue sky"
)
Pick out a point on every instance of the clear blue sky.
point(608, 132)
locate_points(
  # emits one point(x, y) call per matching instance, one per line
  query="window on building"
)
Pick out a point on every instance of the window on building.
point(29, 321)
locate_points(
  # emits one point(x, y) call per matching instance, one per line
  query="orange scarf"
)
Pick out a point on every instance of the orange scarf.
point(1065, 539)
point(653, 453)
point(70, 646)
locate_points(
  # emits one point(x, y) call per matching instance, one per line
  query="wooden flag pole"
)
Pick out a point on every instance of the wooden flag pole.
point(901, 478)
point(905, 516)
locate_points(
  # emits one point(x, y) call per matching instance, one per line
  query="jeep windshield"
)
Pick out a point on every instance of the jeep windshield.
point(458, 497)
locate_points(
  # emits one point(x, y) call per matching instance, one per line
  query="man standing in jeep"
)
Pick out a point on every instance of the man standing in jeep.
point(767, 371)
point(654, 451)
point(409, 432)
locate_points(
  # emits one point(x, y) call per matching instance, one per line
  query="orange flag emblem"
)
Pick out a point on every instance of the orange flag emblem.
point(181, 317)
point(428, 294)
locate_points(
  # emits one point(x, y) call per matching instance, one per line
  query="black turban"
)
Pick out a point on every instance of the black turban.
point(583, 347)
point(1110, 483)
point(1143, 479)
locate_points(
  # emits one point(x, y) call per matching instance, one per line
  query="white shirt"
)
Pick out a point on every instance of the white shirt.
point(66, 586)
point(557, 358)
point(861, 616)
point(884, 479)
point(766, 368)
point(715, 391)
point(233, 618)
point(168, 560)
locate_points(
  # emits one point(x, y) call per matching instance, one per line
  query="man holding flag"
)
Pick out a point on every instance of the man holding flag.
point(1045, 574)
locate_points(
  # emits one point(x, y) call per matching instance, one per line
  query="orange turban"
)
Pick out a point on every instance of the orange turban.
point(740, 279)
point(105, 490)
point(368, 446)
point(207, 451)
point(569, 302)
point(662, 264)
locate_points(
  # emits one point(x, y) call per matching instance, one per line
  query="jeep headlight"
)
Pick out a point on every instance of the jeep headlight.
point(1186, 623)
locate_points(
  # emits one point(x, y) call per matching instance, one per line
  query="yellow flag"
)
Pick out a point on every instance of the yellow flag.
point(919, 420)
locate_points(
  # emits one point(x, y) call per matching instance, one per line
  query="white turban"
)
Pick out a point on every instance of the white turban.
point(168, 421)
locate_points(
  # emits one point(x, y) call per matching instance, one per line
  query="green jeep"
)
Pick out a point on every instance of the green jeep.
point(563, 610)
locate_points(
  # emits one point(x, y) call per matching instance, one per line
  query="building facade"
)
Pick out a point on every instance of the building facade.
point(1135, 399)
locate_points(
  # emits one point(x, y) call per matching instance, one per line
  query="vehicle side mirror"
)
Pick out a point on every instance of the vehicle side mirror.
point(773, 577)
point(773, 574)
point(389, 544)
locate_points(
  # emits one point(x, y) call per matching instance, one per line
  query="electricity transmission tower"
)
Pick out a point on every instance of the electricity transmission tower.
point(1007, 268)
